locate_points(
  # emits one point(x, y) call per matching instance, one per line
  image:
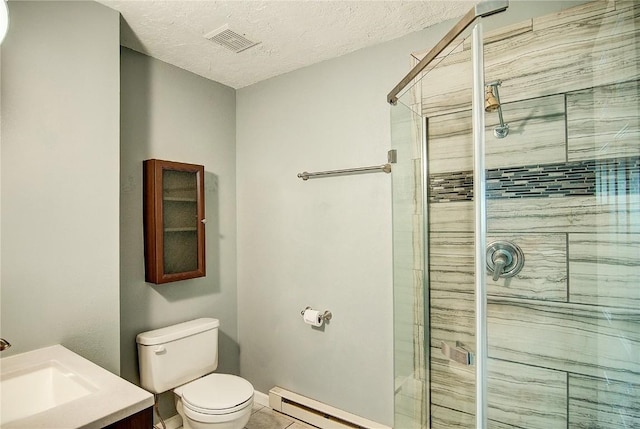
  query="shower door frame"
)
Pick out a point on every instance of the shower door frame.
point(480, 227)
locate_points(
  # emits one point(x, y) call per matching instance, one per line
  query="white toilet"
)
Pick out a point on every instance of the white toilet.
point(179, 357)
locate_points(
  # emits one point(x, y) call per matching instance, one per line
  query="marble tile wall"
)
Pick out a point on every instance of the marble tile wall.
point(537, 124)
point(604, 122)
point(603, 266)
point(543, 277)
point(588, 340)
point(612, 404)
point(586, 50)
point(564, 334)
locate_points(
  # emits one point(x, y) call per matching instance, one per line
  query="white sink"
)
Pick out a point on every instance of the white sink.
point(53, 387)
point(39, 388)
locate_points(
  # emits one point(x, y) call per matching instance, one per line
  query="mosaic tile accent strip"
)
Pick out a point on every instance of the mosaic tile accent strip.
point(617, 176)
point(455, 186)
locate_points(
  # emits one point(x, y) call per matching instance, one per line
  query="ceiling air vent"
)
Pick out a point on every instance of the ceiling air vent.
point(229, 39)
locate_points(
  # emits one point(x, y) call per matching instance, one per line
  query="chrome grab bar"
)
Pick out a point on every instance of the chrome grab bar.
point(386, 168)
point(392, 158)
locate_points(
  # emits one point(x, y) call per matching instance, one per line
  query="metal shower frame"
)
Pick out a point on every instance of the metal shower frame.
point(481, 10)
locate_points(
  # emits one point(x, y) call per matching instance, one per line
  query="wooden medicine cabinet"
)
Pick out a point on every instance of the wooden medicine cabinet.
point(174, 220)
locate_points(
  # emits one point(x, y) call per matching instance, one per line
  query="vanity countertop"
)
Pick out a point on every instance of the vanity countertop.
point(111, 398)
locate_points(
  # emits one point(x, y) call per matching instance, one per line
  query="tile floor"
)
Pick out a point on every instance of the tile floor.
point(265, 418)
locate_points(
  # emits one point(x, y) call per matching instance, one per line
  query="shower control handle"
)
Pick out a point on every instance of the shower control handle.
point(504, 259)
point(501, 259)
point(499, 263)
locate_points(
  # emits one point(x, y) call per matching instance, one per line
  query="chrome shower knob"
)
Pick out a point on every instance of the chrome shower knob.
point(504, 259)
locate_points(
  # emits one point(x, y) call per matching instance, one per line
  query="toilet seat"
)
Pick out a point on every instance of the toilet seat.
point(216, 394)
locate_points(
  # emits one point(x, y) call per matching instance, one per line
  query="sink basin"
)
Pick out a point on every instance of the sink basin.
point(53, 387)
point(39, 388)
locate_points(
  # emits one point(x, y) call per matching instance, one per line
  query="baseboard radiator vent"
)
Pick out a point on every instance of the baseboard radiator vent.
point(316, 413)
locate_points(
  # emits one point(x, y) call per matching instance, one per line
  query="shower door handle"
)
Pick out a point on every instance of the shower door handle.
point(457, 353)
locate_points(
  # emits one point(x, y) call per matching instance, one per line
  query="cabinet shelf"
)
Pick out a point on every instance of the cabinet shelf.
point(185, 229)
point(180, 199)
point(174, 214)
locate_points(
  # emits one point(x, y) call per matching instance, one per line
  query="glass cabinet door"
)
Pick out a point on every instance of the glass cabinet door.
point(174, 221)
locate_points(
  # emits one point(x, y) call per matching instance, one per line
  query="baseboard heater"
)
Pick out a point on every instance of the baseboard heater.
point(316, 413)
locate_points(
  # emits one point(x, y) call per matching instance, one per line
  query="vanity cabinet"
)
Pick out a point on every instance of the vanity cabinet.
point(139, 420)
point(174, 221)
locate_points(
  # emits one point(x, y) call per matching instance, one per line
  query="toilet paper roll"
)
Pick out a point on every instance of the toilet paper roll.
point(312, 317)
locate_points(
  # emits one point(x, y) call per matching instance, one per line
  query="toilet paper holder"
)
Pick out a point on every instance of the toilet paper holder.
point(326, 316)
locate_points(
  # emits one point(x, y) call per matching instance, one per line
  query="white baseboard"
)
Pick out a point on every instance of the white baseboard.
point(317, 413)
point(260, 399)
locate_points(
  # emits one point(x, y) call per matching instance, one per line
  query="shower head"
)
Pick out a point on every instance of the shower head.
point(491, 103)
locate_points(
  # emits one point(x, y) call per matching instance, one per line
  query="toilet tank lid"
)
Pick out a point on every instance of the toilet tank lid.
point(174, 332)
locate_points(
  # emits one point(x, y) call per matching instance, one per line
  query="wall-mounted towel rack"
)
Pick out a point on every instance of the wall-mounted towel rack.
point(384, 168)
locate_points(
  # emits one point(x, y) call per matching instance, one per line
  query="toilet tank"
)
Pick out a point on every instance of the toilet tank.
point(172, 356)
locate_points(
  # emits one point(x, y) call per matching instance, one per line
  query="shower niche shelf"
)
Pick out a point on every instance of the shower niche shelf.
point(174, 221)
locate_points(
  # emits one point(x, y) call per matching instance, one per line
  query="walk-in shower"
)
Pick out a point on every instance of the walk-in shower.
point(517, 259)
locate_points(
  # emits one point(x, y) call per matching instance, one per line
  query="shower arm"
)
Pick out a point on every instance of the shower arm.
point(502, 130)
point(482, 9)
point(499, 107)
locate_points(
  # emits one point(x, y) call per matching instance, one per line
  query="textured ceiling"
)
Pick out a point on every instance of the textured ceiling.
point(293, 34)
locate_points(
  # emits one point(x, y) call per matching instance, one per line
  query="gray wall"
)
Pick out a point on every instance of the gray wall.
point(60, 144)
point(171, 114)
point(325, 242)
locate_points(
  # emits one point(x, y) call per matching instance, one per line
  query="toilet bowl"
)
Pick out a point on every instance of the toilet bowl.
point(216, 401)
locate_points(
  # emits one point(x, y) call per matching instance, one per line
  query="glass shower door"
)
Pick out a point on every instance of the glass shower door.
point(562, 246)
point(410, 312)
point(434, 332)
